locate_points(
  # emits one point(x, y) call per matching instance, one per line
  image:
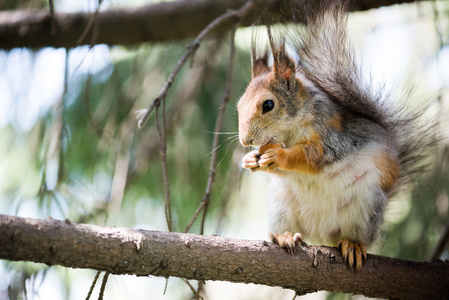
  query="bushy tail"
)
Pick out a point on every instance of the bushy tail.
point(329, 61)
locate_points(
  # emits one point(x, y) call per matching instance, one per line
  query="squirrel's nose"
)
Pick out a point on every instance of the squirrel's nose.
point(246, 142)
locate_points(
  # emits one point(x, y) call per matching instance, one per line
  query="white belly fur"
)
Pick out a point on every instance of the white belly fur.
point(328, 206)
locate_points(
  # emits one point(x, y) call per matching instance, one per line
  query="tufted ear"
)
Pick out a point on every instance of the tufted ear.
point(260, 66)
point(284, 67)
point(259, 60)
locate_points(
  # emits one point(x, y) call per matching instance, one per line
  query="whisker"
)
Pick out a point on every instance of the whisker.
point(269, 124)
point(227, 139)
point(227, 150)
point(260, 129)
point(229, 132)
point(213, 150)
point(231, 137)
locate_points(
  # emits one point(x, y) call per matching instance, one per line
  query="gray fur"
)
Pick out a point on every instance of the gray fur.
point(343, 127)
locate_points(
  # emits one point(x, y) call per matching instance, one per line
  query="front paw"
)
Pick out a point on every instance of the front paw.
point(250, 161)
point(270, 160)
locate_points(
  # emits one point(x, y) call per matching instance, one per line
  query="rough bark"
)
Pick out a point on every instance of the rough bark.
point(165, 21)
point(141, 252)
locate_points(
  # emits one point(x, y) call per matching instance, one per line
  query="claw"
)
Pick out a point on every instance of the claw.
point(297, 237)
point(363, 249)
point(343, 245)
point(358, 257)
point(350, 255)
point(353, 253)
point(286, 240)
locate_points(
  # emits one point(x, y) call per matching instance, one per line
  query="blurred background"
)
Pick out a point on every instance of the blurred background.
point(71, 148)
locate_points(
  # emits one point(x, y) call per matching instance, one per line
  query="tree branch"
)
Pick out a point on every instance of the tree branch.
point(190, 51)
point(165, 21)
point(141, 252)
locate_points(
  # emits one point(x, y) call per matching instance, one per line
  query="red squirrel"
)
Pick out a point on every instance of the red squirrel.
point(336, 148)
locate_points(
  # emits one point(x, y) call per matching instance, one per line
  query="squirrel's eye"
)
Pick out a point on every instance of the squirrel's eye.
point(267, 106)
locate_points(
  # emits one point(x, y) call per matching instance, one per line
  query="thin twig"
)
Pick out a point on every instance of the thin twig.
point(163, 153)
point(92, 286)
point(165, 170)
point(192, 289)
point(89, 26)
point(56, 136)
point(199, 289)
point(218, 125)
point(52, 16)
point(120, 173)
point(234, 176)
point(176, 113)
point(52, 8)
point(166, 285)
point(60, 119)
point(189, 52)
point(197, 212)
point(103, 285)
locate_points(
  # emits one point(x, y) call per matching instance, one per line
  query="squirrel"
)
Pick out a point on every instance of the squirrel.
point(337, 149)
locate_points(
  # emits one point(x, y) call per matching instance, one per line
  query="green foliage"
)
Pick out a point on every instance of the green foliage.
point(89, 161)
point(415, 236)
point(22, 4)
point(85, 141)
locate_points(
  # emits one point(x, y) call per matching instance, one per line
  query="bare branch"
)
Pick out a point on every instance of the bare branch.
point(189, 52)
point(92, 286)
point(52, 16)
point(218, 126)
point(89, 26)
point(141, 252)
point(195, 216)
point(161, 129)
point(103, 285)
point(165, 21)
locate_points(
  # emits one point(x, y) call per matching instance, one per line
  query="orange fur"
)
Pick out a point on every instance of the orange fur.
point(264, 148)
point(303, 157)
point(389, 168)
point(335, 122)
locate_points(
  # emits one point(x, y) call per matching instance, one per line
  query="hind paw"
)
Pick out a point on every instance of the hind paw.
point(354, 254)
point(287, 241)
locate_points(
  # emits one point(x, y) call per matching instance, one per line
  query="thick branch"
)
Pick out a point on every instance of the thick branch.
point(141, 252)
point(158, 22)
